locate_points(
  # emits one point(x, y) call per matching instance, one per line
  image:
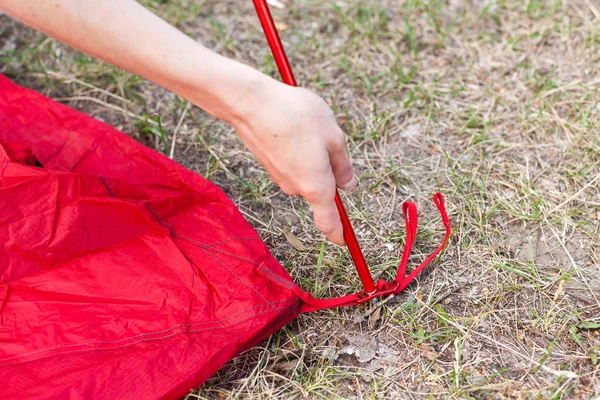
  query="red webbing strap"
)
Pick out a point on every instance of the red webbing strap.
point(385, 288)
point(438, 199)
point(412, 222)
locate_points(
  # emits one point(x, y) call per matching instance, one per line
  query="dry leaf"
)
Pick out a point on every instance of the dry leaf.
point(294, 241)
point(362, 346)
point(374, 317)
point(428, 352)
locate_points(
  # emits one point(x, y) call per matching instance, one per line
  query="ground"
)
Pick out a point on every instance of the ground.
point(495, 103)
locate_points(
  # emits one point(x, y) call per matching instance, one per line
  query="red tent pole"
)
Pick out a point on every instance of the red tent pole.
point(264, 15)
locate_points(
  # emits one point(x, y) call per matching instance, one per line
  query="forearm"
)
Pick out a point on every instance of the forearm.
point(125, 34)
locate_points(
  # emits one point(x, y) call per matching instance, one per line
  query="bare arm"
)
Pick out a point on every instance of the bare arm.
point(291, 131)
point(125, 34)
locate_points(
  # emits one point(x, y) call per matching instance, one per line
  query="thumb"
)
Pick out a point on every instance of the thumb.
point(327, 220)
point(340, 164)
point(325, 213)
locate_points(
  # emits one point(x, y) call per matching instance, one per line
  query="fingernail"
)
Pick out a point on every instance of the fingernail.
point(349, 186)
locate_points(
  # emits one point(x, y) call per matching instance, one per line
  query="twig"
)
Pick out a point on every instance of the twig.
point(105, 104)
point(181, 118)
point(593, 9)
point(68, 79)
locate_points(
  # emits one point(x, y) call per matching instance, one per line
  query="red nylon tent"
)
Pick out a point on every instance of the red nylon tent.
point(122, 274)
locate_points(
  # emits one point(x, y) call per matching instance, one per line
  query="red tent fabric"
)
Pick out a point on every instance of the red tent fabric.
point(122, 274)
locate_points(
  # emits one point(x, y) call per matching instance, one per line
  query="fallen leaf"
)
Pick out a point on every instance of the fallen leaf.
point(362, 346)
point(374, 317)
point(294, 241)
point(425, 347)
point(428, 352)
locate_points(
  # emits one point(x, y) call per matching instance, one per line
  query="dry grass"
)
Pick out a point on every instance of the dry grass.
point(494, 102)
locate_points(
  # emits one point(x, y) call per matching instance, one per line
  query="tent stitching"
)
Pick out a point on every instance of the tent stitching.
point(148, 334)
point(89, 350)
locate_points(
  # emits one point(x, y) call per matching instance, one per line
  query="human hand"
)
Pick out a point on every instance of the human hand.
point(294, 135)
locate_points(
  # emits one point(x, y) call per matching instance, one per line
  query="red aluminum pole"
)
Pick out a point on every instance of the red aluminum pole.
point(264, 15)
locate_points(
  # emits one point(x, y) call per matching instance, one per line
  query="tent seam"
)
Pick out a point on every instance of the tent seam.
point(148, 334)
point(89, 350)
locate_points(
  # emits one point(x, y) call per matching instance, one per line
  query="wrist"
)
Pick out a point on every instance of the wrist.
point(224, 88)
point(249, 95)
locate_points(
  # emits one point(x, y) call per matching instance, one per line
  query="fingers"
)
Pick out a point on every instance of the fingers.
point(340, 163)
point(327, 220)
point(336, 171)
point(322, 200)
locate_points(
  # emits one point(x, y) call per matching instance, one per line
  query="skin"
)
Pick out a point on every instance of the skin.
point(291, 131)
